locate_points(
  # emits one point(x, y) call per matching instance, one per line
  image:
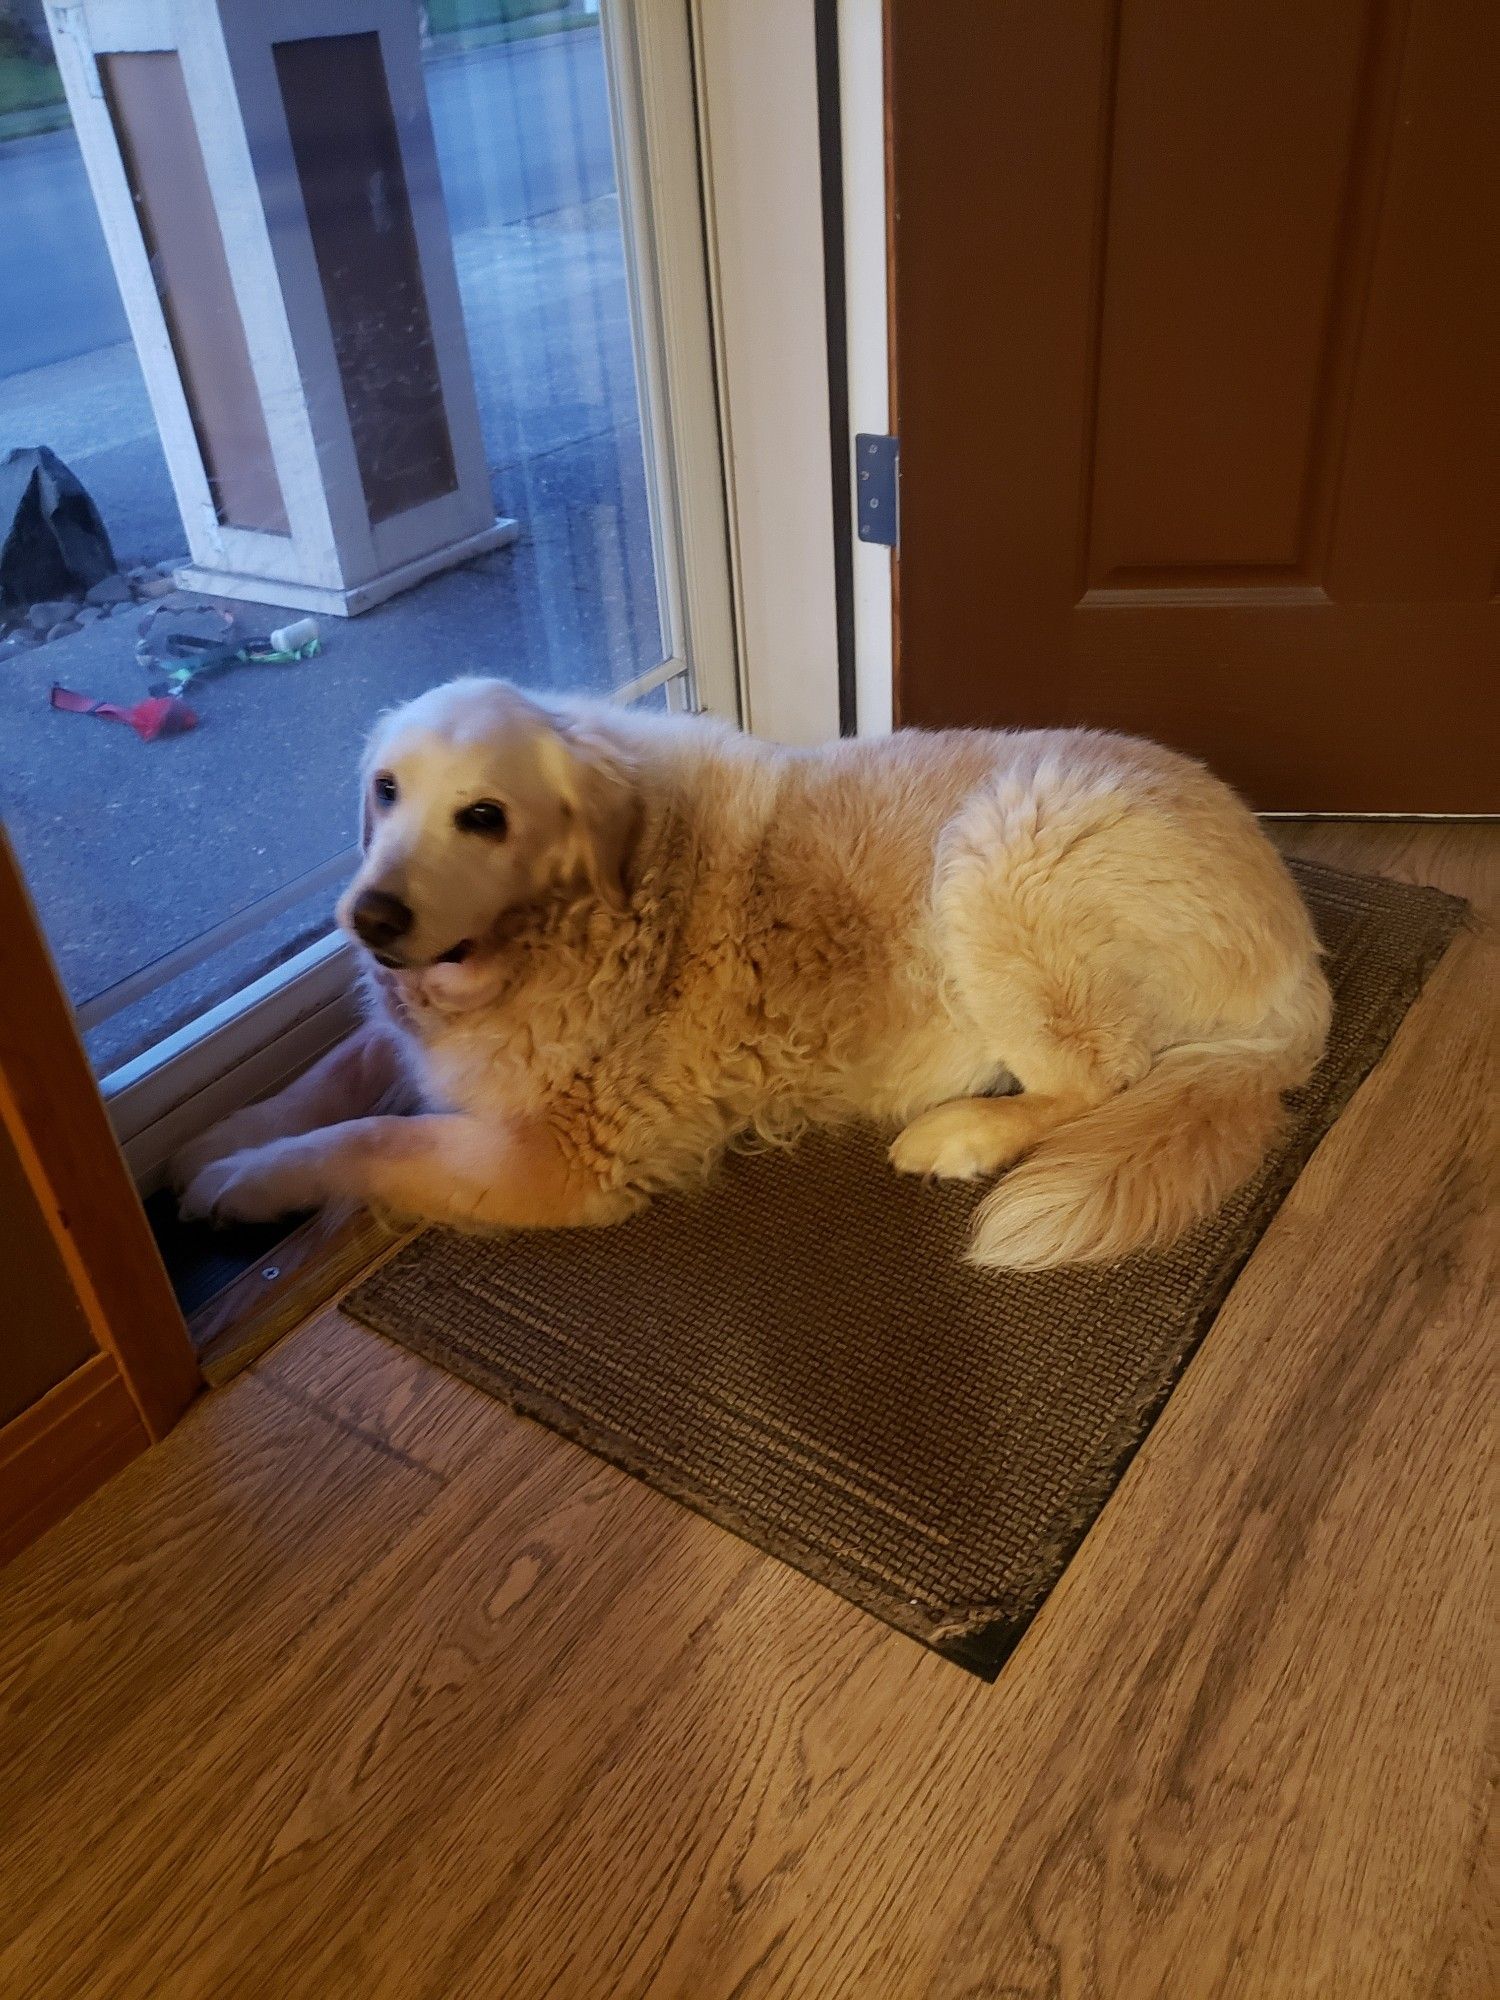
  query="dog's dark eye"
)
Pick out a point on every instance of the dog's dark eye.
point(483, 816)
point(384, 789)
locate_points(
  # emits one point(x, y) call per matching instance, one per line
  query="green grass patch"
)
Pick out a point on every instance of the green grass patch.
point(25, 84)
point(451, 17)
point(534, 28)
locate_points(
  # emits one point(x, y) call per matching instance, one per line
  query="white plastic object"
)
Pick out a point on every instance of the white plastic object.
point(292, 638)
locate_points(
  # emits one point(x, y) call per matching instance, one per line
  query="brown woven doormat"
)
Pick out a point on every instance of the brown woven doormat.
point(800, 1353)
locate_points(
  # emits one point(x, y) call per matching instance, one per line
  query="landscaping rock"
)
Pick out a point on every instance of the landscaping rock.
point(108, 590)
point(62, 631)
point(157, 586)
point(42, 617)
point(92, 613)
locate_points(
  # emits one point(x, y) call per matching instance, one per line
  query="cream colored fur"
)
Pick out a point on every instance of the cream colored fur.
point(689, 939)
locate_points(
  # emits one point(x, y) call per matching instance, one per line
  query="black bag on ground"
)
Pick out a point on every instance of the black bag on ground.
point(54, 543)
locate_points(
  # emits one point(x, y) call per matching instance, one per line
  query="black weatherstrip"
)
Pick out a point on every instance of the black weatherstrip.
point(830, 159)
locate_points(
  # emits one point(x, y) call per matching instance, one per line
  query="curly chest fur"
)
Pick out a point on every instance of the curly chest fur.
point(750, 994)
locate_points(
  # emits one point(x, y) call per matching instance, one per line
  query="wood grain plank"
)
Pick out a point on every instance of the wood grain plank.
point(360, 1380)
point(481, 1636)
point(1457, 855)
point(154, 1614)
point(386, 1692)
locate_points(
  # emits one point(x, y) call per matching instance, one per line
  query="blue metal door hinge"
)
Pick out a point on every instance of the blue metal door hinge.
point(877, 485)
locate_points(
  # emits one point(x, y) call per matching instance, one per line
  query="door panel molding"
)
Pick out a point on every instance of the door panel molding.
point(1195, 315)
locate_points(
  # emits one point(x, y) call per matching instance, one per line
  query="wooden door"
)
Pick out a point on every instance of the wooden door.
point(1196, 335)
point(94, 1358)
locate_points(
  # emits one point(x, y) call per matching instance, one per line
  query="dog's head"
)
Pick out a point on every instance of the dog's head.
point(476, 801)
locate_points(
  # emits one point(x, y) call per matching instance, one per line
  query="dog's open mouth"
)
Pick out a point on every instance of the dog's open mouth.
point(455, 955)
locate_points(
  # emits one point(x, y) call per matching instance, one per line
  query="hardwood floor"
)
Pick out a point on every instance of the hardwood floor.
point(360, 1686)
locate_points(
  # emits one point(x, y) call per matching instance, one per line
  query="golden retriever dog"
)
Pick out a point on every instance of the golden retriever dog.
point(602, 947)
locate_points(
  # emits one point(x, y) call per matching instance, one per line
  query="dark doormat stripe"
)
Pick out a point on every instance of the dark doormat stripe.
point(800, 1353)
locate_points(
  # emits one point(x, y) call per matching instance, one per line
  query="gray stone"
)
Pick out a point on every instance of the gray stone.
point(92, 613)
point(42, 617)
point(61, 631)
point(183, 600)
point(157, 586)
point(108, 590)
point(20, 641)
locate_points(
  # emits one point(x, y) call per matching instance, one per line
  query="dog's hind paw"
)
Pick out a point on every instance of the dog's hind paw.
point(965, 1140)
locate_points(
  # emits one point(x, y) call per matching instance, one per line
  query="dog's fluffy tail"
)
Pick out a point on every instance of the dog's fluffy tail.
point(1135, 1171)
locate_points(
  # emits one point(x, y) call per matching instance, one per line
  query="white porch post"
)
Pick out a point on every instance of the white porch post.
point(268, 187)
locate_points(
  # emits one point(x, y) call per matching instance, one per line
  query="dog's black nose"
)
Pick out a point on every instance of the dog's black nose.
point(379, 919)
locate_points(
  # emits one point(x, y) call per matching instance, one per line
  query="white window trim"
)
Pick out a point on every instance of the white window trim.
point(242, 1049)
point(650, 57)
point(758, 131)
point(758, 115)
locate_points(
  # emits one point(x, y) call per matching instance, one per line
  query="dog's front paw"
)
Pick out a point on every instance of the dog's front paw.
point(253, 1186)
point(234, 1134)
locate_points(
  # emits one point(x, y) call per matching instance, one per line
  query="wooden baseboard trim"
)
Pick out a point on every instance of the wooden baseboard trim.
point(317, 1261)
point(63, 1448)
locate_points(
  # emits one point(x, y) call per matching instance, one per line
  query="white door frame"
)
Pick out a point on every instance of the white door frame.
point(758, 131)
point(759, 122)
point(861, 62)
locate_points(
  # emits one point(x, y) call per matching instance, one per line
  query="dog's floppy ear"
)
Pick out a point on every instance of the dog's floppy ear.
point(599, 798)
